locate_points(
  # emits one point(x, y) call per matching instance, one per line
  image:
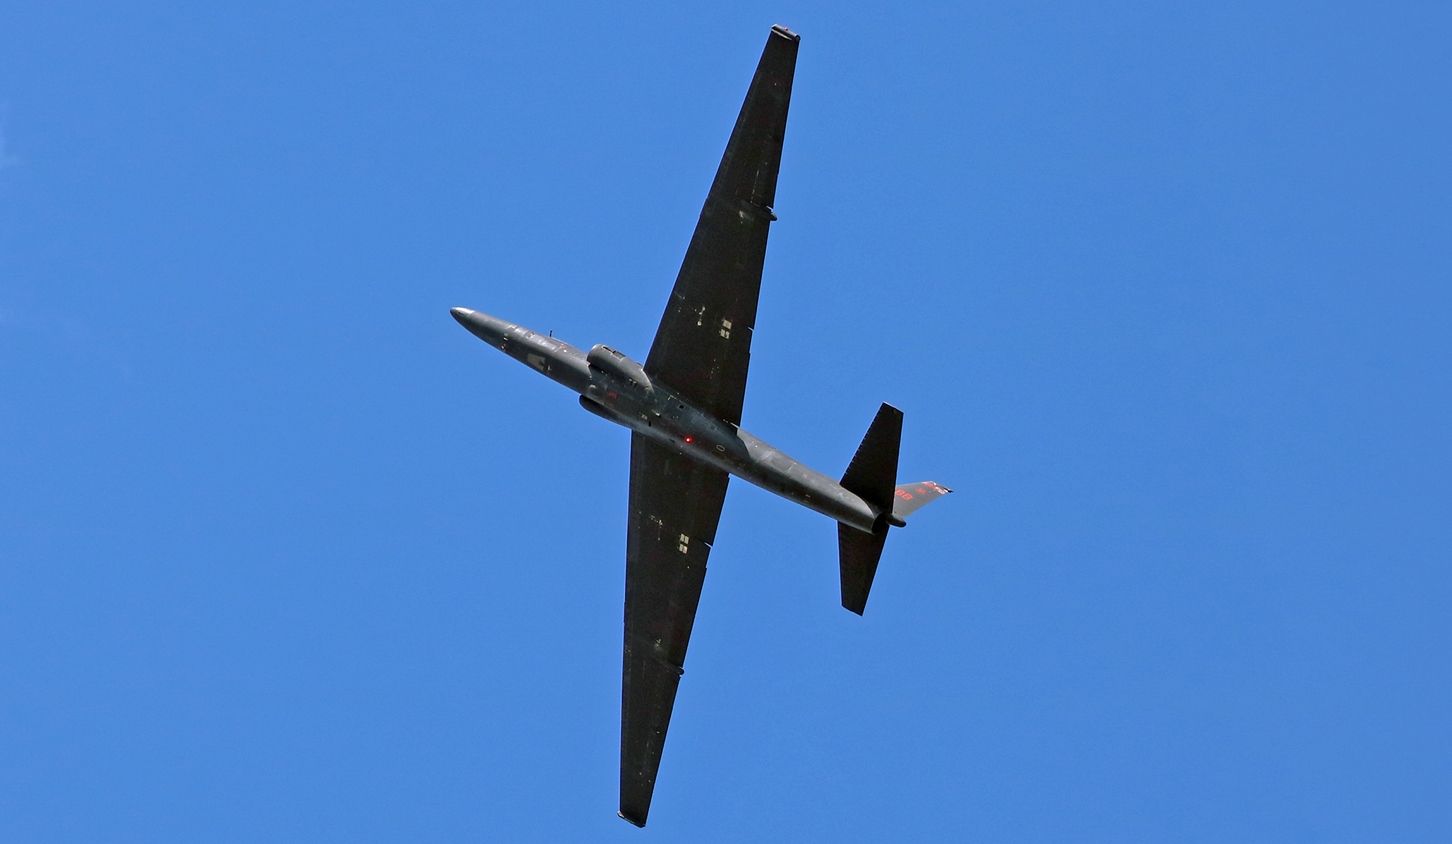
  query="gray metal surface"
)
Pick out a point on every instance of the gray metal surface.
point(683, 406)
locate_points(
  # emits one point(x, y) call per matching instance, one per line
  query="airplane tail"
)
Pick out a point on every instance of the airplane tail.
point(872, 475)
point(858, 553)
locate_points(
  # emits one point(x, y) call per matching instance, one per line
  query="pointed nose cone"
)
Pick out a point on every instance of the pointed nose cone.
point(487, 328)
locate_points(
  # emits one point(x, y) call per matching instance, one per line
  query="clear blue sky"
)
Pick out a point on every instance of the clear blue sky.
point(286, 555)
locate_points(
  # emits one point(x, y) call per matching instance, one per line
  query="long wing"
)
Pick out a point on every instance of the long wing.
point(675, 504)
point(703, 345)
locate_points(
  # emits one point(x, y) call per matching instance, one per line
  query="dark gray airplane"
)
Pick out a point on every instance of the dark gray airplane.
point(683, 408)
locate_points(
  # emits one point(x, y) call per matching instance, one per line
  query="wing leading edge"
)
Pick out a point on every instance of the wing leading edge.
point(703, 345)
point(675, 505)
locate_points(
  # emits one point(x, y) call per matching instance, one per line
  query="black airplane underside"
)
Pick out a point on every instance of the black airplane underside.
point(669, 419)
point(683, 407)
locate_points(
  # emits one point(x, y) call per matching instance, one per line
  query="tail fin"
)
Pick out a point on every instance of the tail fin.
point(871, 476)
point(909, 497)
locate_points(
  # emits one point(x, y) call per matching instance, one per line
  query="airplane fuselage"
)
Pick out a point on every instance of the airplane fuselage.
point(616, 388)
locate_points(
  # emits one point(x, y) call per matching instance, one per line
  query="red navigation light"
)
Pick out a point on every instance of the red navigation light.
point(690, 439)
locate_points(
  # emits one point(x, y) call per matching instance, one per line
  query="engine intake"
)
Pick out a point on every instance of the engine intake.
point(607, 360)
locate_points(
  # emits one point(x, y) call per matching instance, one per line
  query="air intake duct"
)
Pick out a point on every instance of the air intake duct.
point(614, 363)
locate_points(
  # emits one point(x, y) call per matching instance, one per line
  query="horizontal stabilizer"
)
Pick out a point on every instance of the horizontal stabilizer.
point(873, 469)
point(859, 553)
point(870, 476)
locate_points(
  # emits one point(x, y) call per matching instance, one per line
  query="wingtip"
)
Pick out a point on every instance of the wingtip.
point(784, 32)
point(639, 823)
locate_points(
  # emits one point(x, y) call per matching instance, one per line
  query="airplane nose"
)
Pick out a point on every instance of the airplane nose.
point(487, 328)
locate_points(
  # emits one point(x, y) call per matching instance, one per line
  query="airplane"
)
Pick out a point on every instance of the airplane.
point(683, 408)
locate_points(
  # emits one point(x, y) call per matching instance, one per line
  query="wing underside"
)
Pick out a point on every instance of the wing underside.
point(675, 505)
point(701, 352)
point(703, 345)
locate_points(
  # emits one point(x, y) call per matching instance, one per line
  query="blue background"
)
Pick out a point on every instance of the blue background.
point(285, 554)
